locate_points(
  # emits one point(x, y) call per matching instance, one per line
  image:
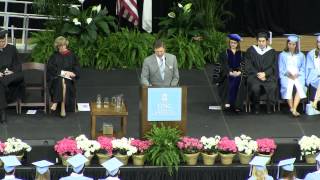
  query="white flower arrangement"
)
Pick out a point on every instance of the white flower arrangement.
point(210, 143)
point(88, 147)
point(309, 145)
point(123, 146)
point(89, 20)
point(246, 144)
point(96, 8)
point(15, 146)
point(76, 21)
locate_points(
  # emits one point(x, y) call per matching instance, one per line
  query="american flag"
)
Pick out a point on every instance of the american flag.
point(128, 9)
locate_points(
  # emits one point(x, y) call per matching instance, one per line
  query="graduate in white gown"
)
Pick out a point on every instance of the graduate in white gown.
point(292, 74)
point(258, 168)
point(313, 71)
point(10, 163)
point(314, 175)
point(287, 170)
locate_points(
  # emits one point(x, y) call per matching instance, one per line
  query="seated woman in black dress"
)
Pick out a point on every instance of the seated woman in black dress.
point(62, 71)
point(231, 89)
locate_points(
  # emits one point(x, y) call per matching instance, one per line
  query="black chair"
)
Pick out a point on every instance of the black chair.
point(31, 86)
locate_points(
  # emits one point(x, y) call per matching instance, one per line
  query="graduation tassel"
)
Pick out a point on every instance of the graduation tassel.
point(270, 39)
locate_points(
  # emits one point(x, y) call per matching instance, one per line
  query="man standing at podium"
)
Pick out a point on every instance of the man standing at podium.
point(161, 68)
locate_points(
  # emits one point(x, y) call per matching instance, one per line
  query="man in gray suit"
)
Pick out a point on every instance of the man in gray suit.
point(160, 69)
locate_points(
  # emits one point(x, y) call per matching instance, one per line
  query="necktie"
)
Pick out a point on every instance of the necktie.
point(162, 67)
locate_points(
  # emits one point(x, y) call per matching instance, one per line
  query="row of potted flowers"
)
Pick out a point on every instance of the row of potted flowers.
point(105, 147)
point(123, 148)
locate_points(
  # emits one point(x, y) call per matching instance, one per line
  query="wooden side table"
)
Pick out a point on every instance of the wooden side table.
point(111, 111)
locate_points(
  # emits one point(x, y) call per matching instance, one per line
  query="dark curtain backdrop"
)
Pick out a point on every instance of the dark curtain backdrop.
point(160, 8)
point(279, 16)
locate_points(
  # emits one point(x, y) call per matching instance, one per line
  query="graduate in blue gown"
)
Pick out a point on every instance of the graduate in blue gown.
point(313, 71)
point(78, 163)
point(10, 163)
point(287, 170)
point(258, 169)
point(112, 169)
point(314, 175)
point(292, 74)
point(232, 87)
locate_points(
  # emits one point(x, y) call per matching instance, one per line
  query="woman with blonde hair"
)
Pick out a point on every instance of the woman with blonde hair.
point(258, 170)
point(62, 72)
point(42, 170)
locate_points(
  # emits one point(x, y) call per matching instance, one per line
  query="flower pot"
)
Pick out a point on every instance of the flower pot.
point(226, 159)
point(19, 157)
point(89, 160)
point(138, 160)
point(64, 160)
point(191, 159)
point(122, 158)
point(245, 158)
point(103, 157)
point(266, 155)
point(209, 159)
point(310, 159)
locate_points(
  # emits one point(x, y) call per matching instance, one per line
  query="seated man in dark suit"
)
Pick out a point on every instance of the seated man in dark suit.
point(11, 77)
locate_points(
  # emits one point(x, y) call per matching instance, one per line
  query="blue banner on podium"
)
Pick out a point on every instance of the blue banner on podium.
point(164, 104)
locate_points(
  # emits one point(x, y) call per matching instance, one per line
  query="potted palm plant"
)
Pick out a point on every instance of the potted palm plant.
point(163, 151)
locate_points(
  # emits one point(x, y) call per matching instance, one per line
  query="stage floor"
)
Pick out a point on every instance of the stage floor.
point(200, 120)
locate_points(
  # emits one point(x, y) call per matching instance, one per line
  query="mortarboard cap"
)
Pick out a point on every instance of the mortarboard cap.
point(286, 165)
point(42, 166)
point(77, 162)
point(10, 162)
point(318, 36)
point(292, 37)
point(112, 166)
point(235, 37)
point(3, 32)
point(259, 162)
point(265, 34)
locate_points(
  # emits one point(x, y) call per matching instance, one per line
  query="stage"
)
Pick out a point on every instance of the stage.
point(200, 120)
point(42, 130)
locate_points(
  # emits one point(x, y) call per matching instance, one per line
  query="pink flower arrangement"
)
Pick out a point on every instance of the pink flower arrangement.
point(141, 145)
point(67, 147)
point(105, 144)
point(189, 145)
point(227, 146)
point(2, 146)
point(266, 146)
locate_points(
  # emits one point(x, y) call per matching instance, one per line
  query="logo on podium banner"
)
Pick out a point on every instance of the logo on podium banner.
point(164, 104)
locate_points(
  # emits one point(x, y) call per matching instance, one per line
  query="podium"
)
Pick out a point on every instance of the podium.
point(167, 105)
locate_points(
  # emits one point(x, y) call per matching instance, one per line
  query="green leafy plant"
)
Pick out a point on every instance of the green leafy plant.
point(212, 12)
point(129, 48)
point(43, 46)
point(181, 21)
point(55, 9)
point(164, 151)
point(88, 23)
point(189, 52)
point(214, 43)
